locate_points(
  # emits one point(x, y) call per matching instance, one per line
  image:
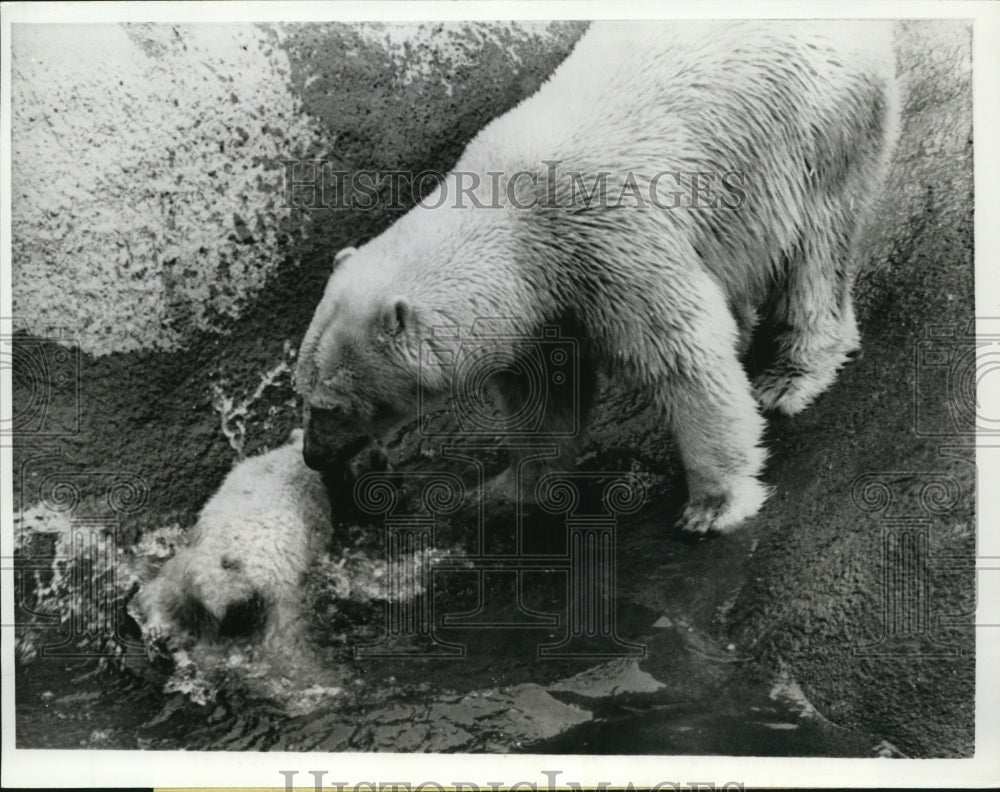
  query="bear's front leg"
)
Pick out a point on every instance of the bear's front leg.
point(681, 346)
point(718, 429)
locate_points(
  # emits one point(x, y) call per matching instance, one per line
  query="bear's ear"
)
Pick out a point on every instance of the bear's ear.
point(397, 317)
point(346, 253)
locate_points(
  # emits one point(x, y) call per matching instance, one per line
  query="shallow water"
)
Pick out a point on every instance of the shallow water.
point(614, 710)
point(677, 686)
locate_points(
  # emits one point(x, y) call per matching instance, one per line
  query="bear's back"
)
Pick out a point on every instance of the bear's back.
point(805, 112)
point(270, 495)
point(632, 92)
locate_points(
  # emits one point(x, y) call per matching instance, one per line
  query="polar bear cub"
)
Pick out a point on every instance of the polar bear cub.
point(253, 542)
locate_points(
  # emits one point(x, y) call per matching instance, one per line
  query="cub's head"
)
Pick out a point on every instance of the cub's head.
point(358, 364)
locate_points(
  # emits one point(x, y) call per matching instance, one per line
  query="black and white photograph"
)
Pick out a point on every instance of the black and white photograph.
point(573, 383)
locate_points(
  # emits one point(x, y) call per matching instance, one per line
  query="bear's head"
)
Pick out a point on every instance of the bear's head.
point(243, 566)
point(199, 595)
point(358, 369)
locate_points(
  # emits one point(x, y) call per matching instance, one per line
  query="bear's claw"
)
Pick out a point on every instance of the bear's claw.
point(724, 513)
point(786, 393)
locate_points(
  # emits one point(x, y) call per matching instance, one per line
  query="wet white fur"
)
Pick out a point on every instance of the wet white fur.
point(255, 536)
point(665, 298)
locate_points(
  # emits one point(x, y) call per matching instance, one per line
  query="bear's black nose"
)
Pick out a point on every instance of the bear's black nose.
point(315, 460)
point(244, 619)
point(313, 454)
point(331, 451)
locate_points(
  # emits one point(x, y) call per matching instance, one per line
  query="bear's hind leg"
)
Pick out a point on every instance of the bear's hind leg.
point(819, 331)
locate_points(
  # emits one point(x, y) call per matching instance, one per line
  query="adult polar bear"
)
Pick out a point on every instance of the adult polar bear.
point(663, 298)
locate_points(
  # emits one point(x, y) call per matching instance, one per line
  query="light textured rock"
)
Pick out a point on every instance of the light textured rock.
point(139, 153)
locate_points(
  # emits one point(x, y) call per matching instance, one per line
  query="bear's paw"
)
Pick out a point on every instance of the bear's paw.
point(790, 394)
point(724, 513)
